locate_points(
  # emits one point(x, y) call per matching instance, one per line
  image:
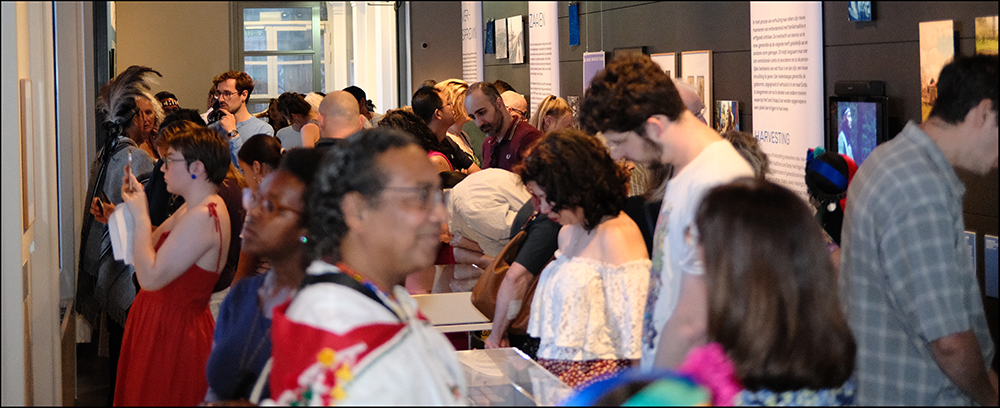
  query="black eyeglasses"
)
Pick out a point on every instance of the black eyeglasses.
point(428, 195)
point(251, 200)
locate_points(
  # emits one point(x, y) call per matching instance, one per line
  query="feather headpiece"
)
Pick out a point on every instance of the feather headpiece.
point(116, 101)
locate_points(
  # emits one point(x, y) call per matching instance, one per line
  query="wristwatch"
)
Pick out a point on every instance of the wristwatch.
point(233, 133)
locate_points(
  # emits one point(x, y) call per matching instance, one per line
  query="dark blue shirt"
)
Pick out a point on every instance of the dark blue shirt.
point(241, 344)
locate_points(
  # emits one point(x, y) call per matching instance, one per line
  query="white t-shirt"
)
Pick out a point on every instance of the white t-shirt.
point(719, 163)
point(289, 137)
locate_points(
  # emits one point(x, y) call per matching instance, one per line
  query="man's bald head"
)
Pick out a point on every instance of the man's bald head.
point(516, 104)
point(339, 115)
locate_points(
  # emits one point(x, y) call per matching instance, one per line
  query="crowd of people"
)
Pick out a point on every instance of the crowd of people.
point(275, 255)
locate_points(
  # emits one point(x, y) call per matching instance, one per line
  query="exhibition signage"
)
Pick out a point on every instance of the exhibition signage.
point(543, 50)
point(593, 62)
point(786, 47)
point(472, 42)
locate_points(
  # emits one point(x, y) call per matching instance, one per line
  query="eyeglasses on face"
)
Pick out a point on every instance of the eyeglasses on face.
point(227, 94)
point(428, 195)
point(251, 200)
point(167, 160)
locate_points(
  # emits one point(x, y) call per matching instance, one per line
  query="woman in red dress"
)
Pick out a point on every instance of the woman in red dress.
point(168, 334)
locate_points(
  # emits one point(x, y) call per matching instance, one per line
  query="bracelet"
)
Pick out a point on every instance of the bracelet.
point(234, 133)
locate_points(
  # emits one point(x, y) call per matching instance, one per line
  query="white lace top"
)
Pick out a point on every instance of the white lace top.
point(585, 309)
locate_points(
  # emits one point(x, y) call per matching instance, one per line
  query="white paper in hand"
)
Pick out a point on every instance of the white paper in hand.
point(121, 228)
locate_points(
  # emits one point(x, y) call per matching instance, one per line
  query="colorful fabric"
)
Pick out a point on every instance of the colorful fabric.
point(579, 374)
point(842, 396)
point(332, 344)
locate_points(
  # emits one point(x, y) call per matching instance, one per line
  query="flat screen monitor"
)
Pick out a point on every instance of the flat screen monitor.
point(857, 125)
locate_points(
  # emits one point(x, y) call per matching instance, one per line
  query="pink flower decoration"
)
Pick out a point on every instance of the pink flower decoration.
point(709, 366)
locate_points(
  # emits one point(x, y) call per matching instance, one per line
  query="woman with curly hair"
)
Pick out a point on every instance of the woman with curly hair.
point(588, 305)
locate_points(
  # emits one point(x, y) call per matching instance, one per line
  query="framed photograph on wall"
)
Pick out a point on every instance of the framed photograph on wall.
point(727, 116)
point(986, 35)
point(937, 49)
point(501, 38)
point(859, 10)
point(696, 69)
point(667, 61)
point(515, 39)
point(628, 50)
point(488, 47)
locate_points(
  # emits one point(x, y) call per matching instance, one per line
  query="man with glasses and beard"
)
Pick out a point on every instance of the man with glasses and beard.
point(234, 88)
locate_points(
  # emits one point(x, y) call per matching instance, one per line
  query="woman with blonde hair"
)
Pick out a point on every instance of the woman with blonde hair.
point(464, 132)
point(552, 114)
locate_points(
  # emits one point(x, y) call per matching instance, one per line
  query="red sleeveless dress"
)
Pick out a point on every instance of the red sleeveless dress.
point(168, 337)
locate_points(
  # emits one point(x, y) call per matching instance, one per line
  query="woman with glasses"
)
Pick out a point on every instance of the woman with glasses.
point(274, 229)
point(168, 334)
point(588, 306)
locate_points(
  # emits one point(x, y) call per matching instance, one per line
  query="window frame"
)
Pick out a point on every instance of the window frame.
point(237, 43)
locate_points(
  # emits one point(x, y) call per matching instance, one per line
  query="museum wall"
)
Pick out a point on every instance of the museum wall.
point(885, 49)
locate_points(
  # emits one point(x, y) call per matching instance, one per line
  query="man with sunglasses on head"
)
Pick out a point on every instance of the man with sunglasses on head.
point(233, 89)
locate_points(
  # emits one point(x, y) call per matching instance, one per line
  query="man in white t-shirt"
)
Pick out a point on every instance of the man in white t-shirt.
point(639, 111)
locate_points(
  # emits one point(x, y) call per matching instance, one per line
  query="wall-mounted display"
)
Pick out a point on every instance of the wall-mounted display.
point(501, 39)
point(472, 42)
point(727, 116)
point(543, 41)
point(667, 61)
point(490, 37)
point(696, 69)
point(859, 10)
point(986, 35)
point(858, 124)
point(515, 39)
point(937, 49)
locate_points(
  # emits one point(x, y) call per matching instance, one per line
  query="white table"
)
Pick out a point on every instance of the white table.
point(452, 312)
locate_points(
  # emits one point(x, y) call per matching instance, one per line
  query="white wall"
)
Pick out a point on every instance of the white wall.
point(31, 352)
point(187, 42)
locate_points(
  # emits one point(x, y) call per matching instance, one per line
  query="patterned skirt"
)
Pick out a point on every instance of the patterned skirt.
point(579, 374)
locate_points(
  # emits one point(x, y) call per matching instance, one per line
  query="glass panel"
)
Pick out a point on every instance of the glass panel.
point(257, 107)
point(277, 29)
point(295, 73)
point(256, 67)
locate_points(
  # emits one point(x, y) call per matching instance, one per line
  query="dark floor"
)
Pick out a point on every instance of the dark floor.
point(92, 376)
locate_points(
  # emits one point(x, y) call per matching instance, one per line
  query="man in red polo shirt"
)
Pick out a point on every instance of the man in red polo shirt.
point(506, 140)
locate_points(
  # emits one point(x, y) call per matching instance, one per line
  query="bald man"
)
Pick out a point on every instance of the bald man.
point(339, 117)
point(516, 105)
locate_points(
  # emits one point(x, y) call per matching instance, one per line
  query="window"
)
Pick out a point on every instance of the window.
point(280, 48)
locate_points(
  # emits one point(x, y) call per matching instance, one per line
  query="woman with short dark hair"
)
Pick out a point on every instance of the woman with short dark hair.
point(773, 308)
point(588, 306)
point(168, 334)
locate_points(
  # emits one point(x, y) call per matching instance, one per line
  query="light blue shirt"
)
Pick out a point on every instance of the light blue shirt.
point(246, 129)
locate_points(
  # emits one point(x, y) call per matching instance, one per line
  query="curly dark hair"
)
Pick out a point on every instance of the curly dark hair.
point(769, 273)
point(351, 167)
point(555, 163)
point(631, 89)
point(292, 103)
point(410, 123)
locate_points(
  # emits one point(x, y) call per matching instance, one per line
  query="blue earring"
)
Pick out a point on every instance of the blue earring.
point(304, 239)
point(193, 177)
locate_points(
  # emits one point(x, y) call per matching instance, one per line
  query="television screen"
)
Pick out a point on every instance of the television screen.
point(857, 126)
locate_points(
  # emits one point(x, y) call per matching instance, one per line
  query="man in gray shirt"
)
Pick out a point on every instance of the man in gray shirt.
point(911, 292)
point(234, 88)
